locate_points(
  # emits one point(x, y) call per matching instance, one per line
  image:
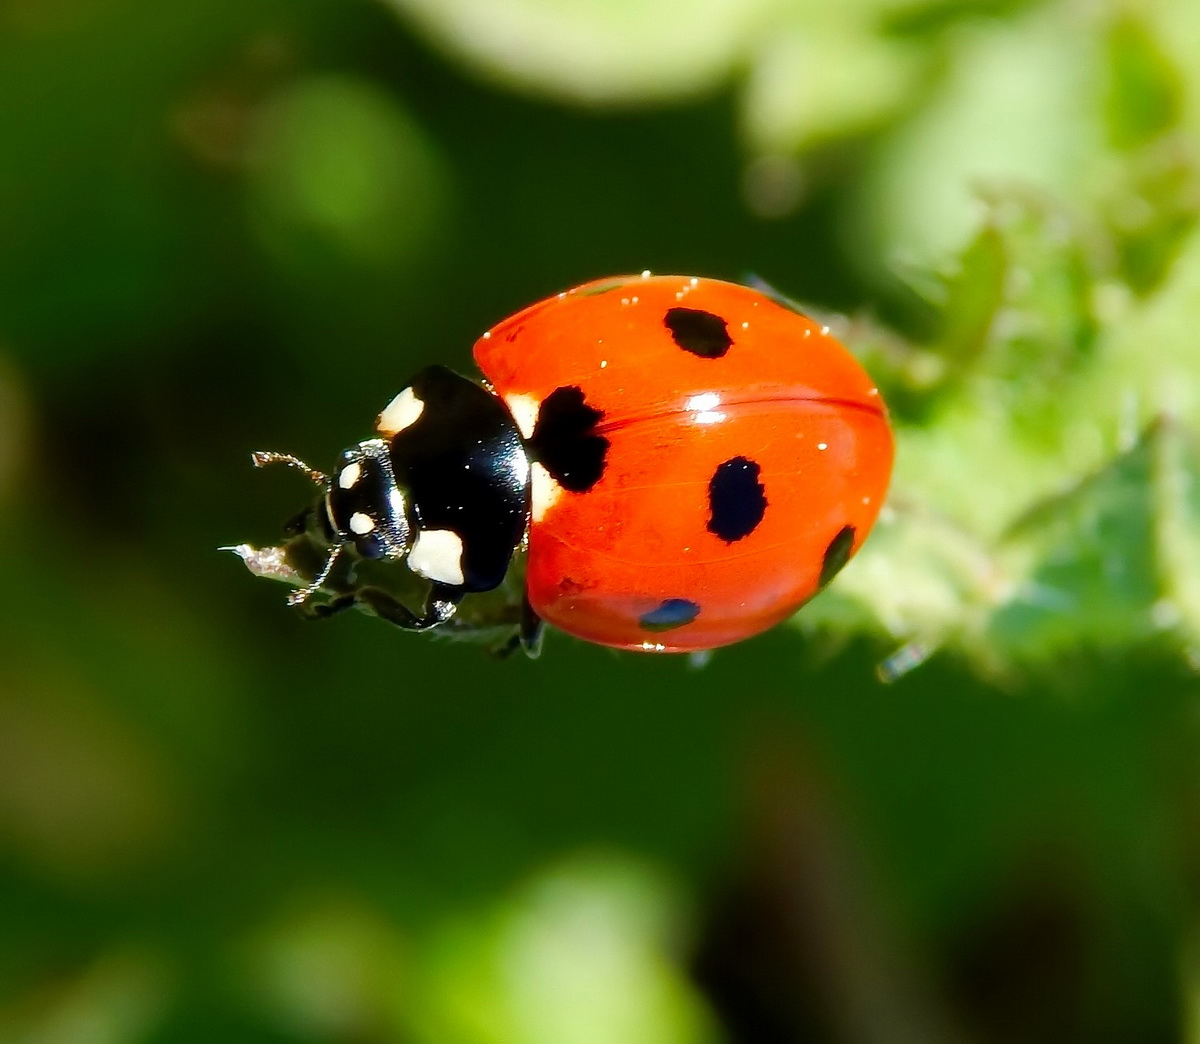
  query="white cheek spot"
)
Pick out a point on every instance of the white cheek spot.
point(350, 474)
point(400, 413)
point(361, 524)
point(437, 555)
point(524, 410)
point(544, 491)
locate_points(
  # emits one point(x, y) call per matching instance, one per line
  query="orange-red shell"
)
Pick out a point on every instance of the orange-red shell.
point(785, 395)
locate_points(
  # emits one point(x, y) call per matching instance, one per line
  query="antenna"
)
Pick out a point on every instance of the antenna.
point(302, 595)
point(261, 458)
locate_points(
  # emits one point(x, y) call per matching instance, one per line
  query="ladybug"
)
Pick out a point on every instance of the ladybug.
point(683, 461)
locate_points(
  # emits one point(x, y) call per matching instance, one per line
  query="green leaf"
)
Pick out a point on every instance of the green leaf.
point(594, 51)
point(974, 297)
point(1113, 561)
point(1084, 563)
point(1144, 98)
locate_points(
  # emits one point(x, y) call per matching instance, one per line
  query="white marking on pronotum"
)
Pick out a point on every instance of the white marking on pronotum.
point(437, 555)
point(400, 413)
point(350, 474)
point(544, 491)
point(524, 410)
point(361, 524)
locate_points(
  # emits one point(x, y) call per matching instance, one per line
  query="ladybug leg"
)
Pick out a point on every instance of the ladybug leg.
point(324, 610)
point(506, 648)
point(440, 606)
point(532, 630)
point(527, 635)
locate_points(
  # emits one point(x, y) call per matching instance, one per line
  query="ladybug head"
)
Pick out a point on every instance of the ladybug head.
point(362, 507)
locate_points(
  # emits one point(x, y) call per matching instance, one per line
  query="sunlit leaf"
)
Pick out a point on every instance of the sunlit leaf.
point(580, 955)
point(1012, 109)
point(1144, 95)
point(596, 51)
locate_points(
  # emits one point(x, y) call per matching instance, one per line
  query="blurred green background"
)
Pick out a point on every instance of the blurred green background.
point(240, 224)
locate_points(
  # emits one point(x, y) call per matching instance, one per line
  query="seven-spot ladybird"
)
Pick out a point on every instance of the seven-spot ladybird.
point(684, 462)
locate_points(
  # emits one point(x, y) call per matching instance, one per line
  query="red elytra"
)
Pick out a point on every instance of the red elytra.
point(748, 455)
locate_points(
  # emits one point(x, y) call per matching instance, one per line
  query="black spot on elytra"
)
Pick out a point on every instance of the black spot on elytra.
point(698, 332)
point(736, 500)
point(669, 614)
point(837, 554)
point(565, 442)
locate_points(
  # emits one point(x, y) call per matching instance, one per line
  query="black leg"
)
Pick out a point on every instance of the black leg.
point(506, 648)
point(526, 634)
point(440, 606)
point(324, 610)
point(532, 630)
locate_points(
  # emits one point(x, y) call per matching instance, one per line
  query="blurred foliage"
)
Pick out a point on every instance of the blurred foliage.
point(229, 226)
